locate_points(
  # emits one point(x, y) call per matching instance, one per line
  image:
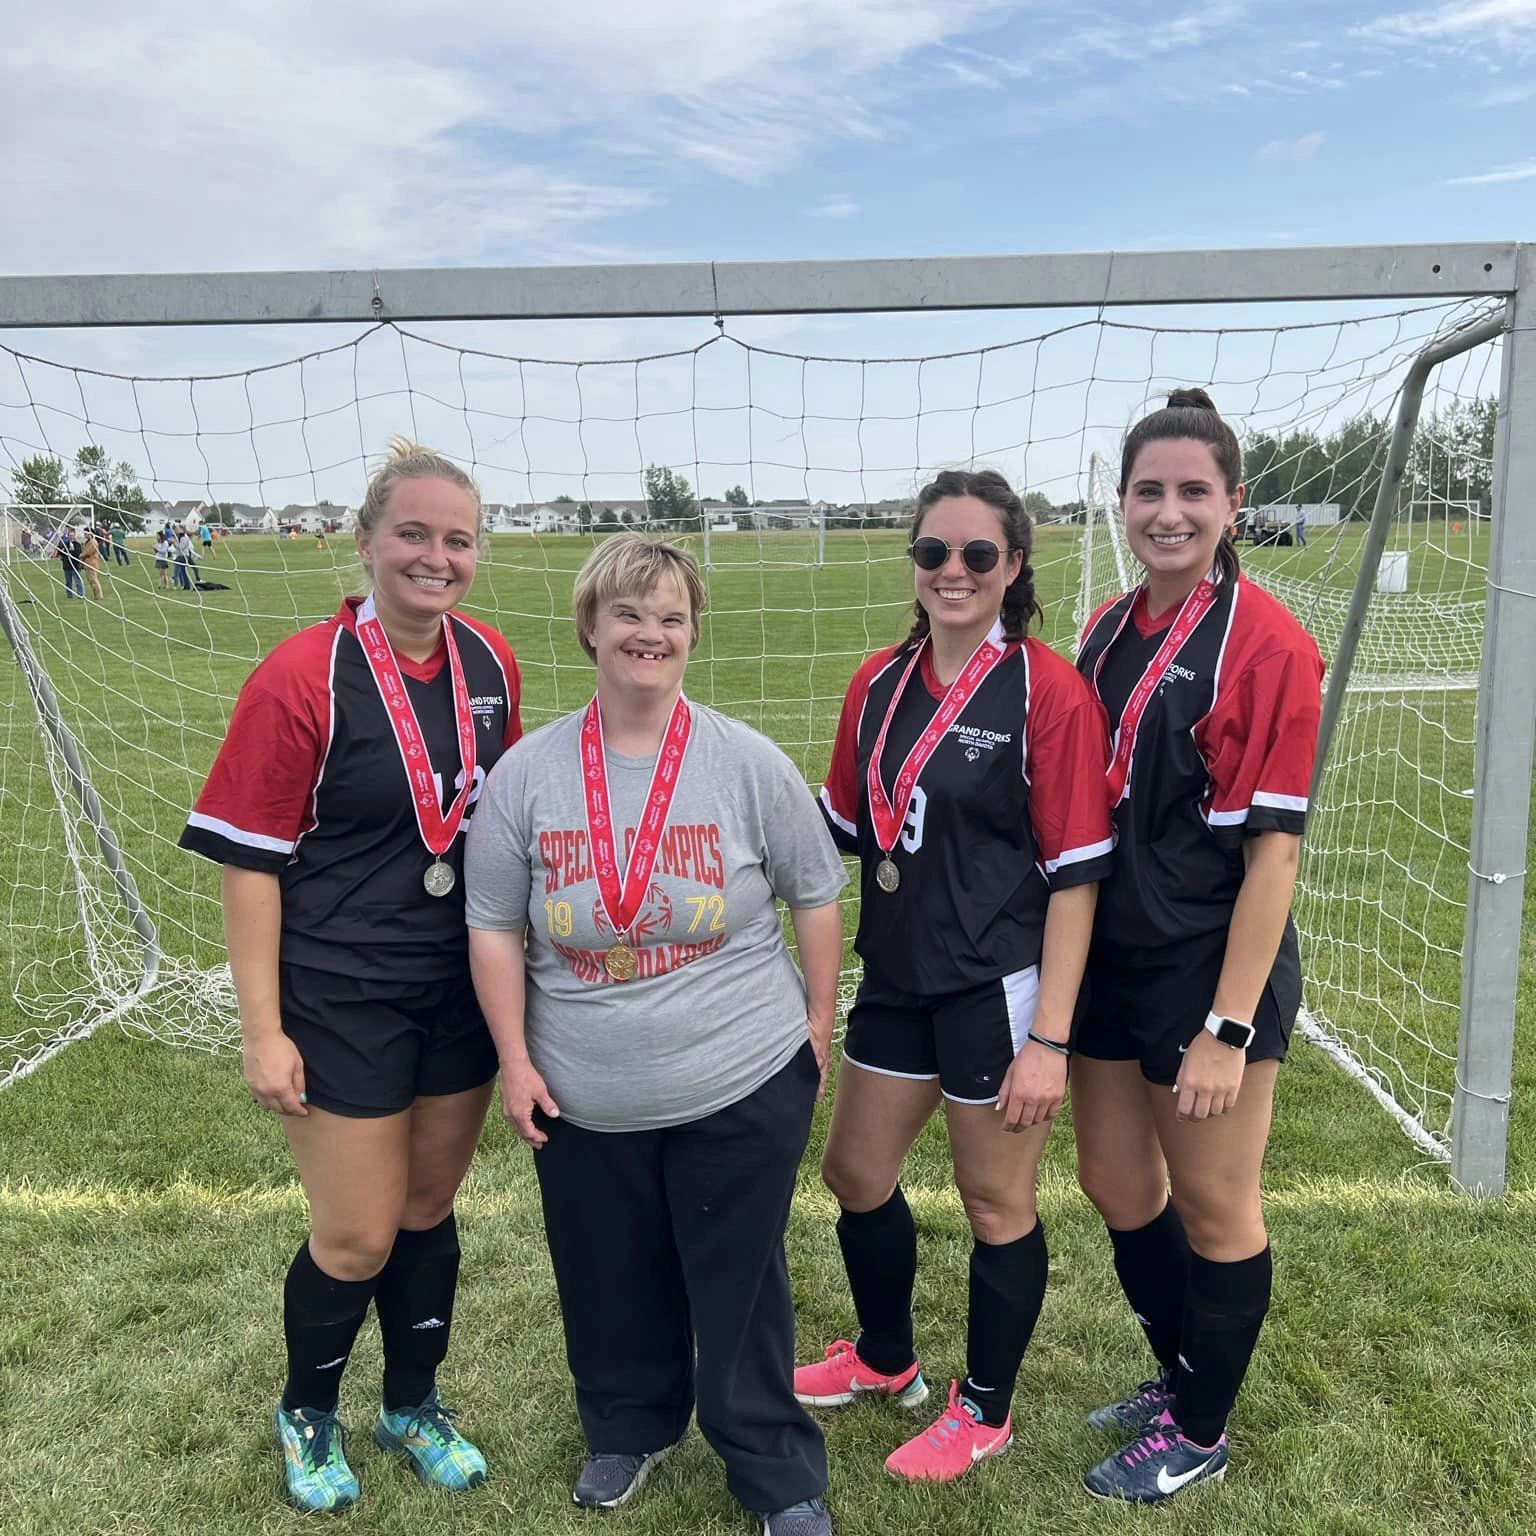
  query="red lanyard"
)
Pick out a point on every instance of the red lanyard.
point(622, 902)
point(437, 830)
point(887, 815)
point(1185, 623)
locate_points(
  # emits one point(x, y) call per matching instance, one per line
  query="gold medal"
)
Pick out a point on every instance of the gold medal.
point(887, 876)
point(621, 962)
point(439, 879)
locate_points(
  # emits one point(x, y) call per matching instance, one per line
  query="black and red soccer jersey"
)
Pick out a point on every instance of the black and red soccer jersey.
point(1224, 751)
point(310, 786)
point(1010, 807)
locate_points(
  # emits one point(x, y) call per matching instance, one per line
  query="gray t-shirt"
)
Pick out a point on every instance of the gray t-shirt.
point(718, 1006)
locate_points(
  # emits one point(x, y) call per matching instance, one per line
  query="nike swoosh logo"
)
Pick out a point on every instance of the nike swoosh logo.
point(1171, 1484)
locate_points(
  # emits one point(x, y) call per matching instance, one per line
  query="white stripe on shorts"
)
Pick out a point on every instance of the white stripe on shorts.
point(1021, 991)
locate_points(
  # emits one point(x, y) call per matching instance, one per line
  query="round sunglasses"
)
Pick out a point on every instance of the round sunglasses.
point(980, 555)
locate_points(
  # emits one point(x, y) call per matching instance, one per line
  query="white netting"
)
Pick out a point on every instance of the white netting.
point(806, 578)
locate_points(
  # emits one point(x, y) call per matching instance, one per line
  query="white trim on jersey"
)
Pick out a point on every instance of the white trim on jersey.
point(827, 806)
point(330, 737)
point(1271, 801)
point(227, 829)
point(911, 1077)
point(1221, 654)
point(1029, 673)
point(1227, 818)
point(1080, 855)
point(1021, 994)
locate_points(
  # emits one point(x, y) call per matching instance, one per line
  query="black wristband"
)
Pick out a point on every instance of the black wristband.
point(1058, 1046)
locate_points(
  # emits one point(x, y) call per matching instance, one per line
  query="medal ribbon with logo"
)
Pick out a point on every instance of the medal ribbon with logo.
point(887, 814)
point(622, 900)
point(437, 829)
point(1195, 607)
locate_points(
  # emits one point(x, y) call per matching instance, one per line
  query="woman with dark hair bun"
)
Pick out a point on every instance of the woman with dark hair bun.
point(1194, 979)
point(966, 776)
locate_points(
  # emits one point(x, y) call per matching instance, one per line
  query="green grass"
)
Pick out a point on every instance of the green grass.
point(147, 1211)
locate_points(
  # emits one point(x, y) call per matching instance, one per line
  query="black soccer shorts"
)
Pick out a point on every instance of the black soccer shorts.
point(1148, 1005)
point(372, 1047)
point(964, 1040)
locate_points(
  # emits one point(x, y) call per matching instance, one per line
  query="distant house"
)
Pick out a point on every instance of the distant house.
point(788, 514)
point(322, 517)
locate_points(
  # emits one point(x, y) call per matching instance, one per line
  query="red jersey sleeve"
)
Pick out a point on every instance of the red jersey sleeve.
point(259, 798)
point(1066, 753)
point(1259, 742)
point(841, 792)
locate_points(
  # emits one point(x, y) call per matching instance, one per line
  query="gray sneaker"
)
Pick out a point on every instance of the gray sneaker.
point(608, 1480)
point(808, 1518)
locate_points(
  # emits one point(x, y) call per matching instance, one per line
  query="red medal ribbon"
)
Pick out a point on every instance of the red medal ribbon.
point(622, 901)
point(437, 830)
point(1185, 623)
point(887, 815)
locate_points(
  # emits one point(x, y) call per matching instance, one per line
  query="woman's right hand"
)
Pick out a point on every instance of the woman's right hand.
point(274, 1072)
point(523, 1091)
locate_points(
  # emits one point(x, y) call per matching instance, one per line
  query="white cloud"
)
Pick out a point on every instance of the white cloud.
point(1453, 21)
point(1522, 172)
point(1302, 148)
point(168, 136)
point(834, 206)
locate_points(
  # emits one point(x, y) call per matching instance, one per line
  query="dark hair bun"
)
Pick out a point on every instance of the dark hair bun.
point(1191, 399)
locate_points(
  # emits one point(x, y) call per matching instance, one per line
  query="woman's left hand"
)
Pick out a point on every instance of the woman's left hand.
point(1034, 1087)
point(820, 1032)
point(1209, 1079)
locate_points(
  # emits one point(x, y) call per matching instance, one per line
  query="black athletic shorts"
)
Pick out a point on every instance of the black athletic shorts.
point(371, 1048)
point(1147, 1005)
point(965, 1040)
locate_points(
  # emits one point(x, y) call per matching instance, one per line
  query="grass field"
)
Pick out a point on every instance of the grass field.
point(147, 1210)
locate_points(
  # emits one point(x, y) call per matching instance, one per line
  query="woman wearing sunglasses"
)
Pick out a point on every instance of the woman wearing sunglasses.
point(967, 775)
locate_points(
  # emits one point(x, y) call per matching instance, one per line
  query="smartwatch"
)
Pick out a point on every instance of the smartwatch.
point(1231, 1032)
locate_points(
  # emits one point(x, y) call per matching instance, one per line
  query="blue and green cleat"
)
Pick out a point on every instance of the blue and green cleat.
point(440, 1455)
point(314, 1459)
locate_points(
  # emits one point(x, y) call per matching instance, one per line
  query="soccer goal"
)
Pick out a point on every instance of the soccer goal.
point(1376, 380)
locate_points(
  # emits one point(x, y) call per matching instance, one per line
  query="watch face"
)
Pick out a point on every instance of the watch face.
point(1232, 1033)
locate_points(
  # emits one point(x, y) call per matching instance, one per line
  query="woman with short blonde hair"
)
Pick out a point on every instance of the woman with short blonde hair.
point(658, 1045)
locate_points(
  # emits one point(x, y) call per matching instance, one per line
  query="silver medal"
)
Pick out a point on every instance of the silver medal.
point(887, 876)
point(439, 879)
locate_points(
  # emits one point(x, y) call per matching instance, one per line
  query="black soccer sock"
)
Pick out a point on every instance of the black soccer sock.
point(1224, 1310)
point(1153, 1265)
point(880, 1255)
point(415, 1302)
point(1007, 1289)
point(321, 1316)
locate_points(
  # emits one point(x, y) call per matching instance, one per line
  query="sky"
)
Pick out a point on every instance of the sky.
point(270, 134)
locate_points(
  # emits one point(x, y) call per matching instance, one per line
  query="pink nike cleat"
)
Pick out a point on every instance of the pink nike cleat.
point(842, 1376)
point(951, 1445)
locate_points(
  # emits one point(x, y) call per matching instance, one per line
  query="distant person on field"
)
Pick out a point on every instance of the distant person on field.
point(1299, 531)
point(205, 535)
point(70, 554)
point(90, 559)
point(344, 917)
point(1194, 976)
point(120, 544)
point(163, 552)
point(26, 540)
point(185, 559)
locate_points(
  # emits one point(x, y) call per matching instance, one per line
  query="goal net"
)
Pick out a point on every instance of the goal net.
point(805, 580)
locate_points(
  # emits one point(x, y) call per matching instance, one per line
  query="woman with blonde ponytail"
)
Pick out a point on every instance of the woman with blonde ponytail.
point(337, 806)
point(1193, 977)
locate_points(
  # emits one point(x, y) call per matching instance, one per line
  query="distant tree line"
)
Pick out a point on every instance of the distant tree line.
point(111, 490)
